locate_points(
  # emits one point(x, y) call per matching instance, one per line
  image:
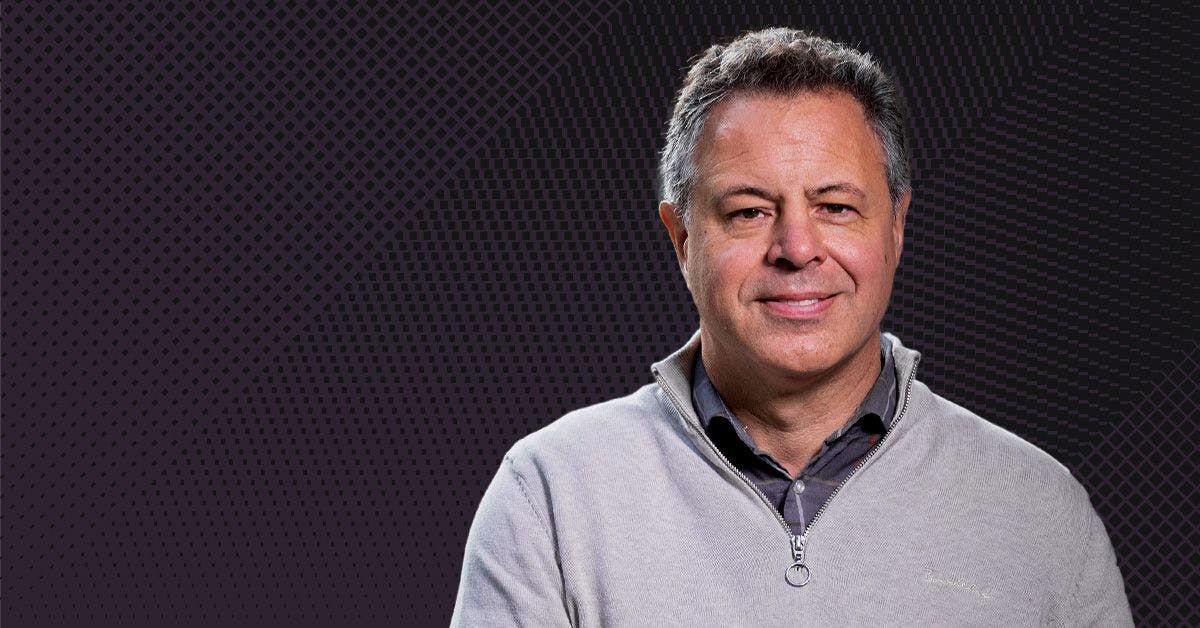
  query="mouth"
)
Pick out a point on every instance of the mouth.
point(798, 297)
point(797, 306)
point(810, 301)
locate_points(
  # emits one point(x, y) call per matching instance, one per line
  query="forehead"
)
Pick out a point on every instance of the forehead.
point(780, 140)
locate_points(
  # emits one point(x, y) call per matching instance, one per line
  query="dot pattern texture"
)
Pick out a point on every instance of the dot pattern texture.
point(283, 281)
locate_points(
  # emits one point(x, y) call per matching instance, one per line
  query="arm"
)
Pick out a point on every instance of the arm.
point(511, 575)
point(1099, 591)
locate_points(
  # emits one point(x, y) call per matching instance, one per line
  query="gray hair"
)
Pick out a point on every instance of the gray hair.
point(782, 61)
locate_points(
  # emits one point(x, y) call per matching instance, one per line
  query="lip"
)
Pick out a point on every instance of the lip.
point(793, 305)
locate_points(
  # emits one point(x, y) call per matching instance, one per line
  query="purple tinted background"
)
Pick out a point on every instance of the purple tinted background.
point(282, 283)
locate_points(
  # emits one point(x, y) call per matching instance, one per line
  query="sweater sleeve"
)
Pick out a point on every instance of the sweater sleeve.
point(510, 575)
point(1099, 591)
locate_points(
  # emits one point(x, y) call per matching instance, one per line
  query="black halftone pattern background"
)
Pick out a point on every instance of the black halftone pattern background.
point(282, 283)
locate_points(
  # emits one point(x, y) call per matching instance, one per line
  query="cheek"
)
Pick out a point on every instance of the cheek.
point(869, 262)
point(718, 272)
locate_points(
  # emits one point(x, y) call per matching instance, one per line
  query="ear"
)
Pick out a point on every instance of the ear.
point(677, 230)
point(898, 224)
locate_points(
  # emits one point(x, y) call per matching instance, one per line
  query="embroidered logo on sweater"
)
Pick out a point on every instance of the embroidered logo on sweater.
point(934, 576)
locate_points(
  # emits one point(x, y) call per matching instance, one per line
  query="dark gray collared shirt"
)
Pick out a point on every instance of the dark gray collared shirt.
point(799, 498)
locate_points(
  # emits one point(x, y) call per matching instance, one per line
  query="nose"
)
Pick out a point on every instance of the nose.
point(796, 241)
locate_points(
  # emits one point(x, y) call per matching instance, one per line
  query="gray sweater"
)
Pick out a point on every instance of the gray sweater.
point(625, 514)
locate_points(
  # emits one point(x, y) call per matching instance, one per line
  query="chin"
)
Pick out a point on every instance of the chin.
point(797, 358)
point(806, 356)
point(815, 366)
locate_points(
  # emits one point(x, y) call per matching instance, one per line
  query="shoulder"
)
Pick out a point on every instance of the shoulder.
point(1015, 498)
point(992, 460)
point(625, 428)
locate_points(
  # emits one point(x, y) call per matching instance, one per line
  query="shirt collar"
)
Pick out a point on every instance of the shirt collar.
point(880, 401)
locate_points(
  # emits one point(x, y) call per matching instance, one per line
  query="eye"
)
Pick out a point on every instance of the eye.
point(750, 213)
point(836, 209)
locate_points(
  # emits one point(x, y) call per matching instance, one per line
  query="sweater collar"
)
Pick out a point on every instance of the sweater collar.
point(879, 403)
point(674, 374)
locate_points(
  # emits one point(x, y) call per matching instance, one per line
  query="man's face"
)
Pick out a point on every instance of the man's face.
point(790, 244)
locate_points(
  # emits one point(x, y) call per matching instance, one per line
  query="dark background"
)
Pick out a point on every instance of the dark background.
point(281, 283)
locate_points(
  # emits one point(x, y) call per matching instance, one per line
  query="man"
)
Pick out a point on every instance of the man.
point(786, 467)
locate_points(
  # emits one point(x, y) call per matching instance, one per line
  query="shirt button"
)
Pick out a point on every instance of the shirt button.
point(798, 487)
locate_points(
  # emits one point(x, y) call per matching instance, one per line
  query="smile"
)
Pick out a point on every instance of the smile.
point(798, 307)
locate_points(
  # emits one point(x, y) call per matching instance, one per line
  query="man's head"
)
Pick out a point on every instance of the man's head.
point(785, 207)
point(781, 61)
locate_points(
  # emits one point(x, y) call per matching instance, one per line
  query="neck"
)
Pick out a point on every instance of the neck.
point(789, 415)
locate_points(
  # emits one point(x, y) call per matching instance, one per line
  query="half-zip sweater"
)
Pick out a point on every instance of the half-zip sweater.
point(625, 514)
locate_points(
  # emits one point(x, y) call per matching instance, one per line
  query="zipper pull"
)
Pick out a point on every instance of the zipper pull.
point(798, 573)
point(798, 547)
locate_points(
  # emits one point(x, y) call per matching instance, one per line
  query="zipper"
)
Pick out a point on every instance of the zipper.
point(798, 574)
point(766, 502)
point(798, 553)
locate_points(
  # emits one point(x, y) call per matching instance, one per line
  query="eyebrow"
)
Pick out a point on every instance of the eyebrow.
point(748, 190)
point(810, 193)
point(843, 187)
